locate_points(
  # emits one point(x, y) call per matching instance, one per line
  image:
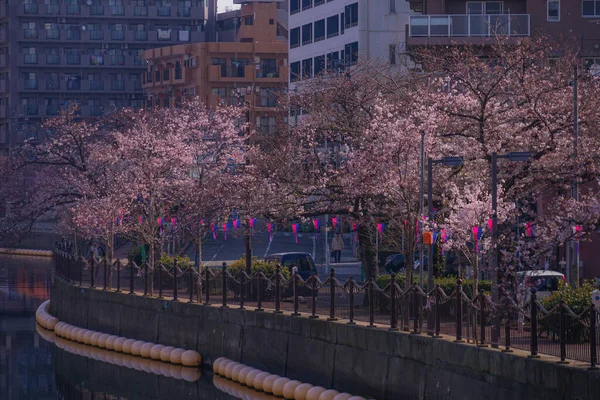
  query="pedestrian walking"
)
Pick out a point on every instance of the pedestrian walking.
point(337, 245)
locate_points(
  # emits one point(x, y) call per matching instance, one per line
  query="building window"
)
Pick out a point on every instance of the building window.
point(333, 26)
point(351, 15)
point(351, 50)
point(95, 107)
point(117, 82)
point(333, 60)
point(553, 10)
point(52, 56)
point(184, 8)
point(73, 32)
point(73, 82)
point(96, 56)
point(268, 68)
point(295, 38)
point(267, 124)
point(295, 71)
point(96, 32)
point(29, 30)
point(52, 7)
point(73, 7)
point(268, 97)
point(96, 82)
point(52, 31)
point(294, 6)
point(29, 55)
point(306, 4)
point(52, 82)
point(237, 67)
point(319, 30)
point(484, 7)
point(319, 64)
point(73, 56)
point(52, 106)
point(117, 31)
point(591, 8)
point(116, 7)
point(29, 7)
point(307, 69)
point(392, 6)
point(117, 57)
point(221, 62)
point(30, 80)
point(29, 106)
point(178, 70)
point(392, 54)
point(249, 20)
point(306, 34)
point(592, 65)
point(96, 9)
point(271, 21)
point(165, 74)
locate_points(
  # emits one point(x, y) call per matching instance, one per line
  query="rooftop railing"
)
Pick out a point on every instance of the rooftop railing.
point(469, 25)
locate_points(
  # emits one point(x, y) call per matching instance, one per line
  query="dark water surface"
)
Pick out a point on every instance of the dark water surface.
point(33, 366)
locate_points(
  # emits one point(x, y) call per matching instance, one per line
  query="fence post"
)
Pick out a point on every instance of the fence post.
point(278, 289)
point(371, 304)
point(563, 328)
point(118, 276)
point(507, 335)
point(206, 286)
point(175, 279)
point(131, 291)
point(242, 290)
point(482, 313)
point(416, 316)
point(259, 293)
point(160, 281)
point(314, 298)
point(593, 344)
point(105, 273)
point(191, 284)
point(68, 268)
point(351, 313)
point(145, 279)
point(295, 282)
point(394, 305)
point(80, 263)
point(437, 312)
point(534, 309)
point(224, 287)
point(92, 272)
point(332, 295)
point(459, 338)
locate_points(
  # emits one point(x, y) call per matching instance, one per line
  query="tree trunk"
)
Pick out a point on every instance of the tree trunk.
point(248, 243)
point(368, 251)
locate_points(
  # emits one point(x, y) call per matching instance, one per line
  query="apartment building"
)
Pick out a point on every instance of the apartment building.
point(251, 71)
point(336, 33)
point(88, 51)
point(446, 22)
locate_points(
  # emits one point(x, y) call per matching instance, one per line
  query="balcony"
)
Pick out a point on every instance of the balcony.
point(73, 9)
point(30, 84)
point(2, 60)
point(3, 111)
point(3, 85)
point(117, 85)
point(117, 10)
point(53, 84)
point(117, 35)
point(473, 27)
point(52, 9)
point(140, 35)
point(163, 11)
point(97, 85)
point(96, 9)
point(30, 9)
point(140, 11)
point(52, 109)
point(95, 110)
point(30, 109)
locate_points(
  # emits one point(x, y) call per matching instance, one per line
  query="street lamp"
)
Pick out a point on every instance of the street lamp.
point(449, 162)
point(522, 156)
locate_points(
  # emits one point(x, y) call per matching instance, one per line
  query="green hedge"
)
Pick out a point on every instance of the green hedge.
point(448, 284)
point(266, 267)
point(183, 262)
point(577, 299)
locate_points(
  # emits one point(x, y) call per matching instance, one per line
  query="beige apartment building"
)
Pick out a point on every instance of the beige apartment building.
point(252, 71)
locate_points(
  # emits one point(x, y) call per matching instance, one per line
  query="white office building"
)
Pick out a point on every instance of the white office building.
point(336, 33)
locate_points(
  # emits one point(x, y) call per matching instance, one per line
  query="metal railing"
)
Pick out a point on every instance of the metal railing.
point(529, 326)
point(469, 25)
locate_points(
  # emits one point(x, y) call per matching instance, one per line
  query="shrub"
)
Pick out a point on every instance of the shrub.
point(258, 265)
point(577, 299)
point(448, 284)
point(135, 254)
point(183, 262)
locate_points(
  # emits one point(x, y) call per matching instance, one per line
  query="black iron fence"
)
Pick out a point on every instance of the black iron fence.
point(524, 325)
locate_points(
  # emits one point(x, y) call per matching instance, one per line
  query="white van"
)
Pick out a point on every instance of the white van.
point(544, 281)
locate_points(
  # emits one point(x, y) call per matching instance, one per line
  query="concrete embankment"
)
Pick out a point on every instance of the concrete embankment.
point(374, 363)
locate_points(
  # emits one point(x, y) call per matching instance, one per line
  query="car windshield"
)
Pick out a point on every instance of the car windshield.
point(543, 283)
point(301, 261)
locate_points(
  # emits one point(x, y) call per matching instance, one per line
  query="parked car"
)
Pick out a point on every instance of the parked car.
point(304, 262)
point(544, 281)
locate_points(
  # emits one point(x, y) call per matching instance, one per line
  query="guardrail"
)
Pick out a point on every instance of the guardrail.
point(469, 25)
point(559, 332)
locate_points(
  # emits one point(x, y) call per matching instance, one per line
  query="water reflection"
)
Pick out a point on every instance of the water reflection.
point(26, 370)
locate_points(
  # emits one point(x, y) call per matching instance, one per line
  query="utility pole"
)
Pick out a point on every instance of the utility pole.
point(421, 210)
point(494, 253)
point(430, 284)
point(575, 193)
point(326, 245)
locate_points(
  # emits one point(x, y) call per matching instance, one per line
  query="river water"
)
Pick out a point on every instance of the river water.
point(35, 365)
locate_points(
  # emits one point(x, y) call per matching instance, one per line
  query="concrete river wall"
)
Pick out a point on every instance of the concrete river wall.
point(374, 363)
